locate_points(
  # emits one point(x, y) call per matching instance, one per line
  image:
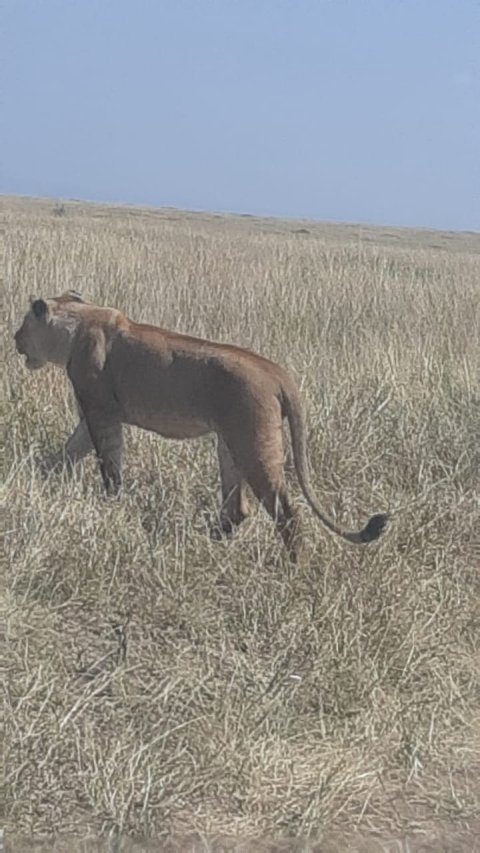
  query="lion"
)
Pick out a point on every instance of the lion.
point(181, 387)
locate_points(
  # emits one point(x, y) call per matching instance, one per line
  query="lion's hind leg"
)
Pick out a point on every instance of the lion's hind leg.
point(259, 456)
point(235, 506)
point(270, 489)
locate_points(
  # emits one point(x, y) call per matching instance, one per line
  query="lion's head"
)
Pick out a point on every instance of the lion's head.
point(46, 331)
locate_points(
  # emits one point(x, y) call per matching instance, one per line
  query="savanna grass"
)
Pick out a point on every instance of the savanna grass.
point(164, 685)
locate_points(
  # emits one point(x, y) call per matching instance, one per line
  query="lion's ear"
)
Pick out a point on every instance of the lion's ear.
point(75, 296)
point(39, 308)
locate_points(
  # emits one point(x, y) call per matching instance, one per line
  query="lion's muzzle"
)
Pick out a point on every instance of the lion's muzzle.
point(18, 344)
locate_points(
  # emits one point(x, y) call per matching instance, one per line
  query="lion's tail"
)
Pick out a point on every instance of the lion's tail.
point(292, 408)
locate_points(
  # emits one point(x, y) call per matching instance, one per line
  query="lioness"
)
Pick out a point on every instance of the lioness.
point(181, 387)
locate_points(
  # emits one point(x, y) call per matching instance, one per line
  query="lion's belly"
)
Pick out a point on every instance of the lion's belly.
point(169, 424)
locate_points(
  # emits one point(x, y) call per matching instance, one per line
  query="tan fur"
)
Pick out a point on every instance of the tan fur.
point(180, 387)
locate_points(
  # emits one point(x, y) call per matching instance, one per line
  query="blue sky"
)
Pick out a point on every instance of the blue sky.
point(346, 110)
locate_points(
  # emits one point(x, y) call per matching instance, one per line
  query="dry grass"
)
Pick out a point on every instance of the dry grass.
point(163, 685)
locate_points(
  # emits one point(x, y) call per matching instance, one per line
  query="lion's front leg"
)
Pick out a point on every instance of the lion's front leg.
point(106, 435)
point(79, 444)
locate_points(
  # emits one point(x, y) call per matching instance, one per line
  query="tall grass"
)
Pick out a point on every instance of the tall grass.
point(164, 685)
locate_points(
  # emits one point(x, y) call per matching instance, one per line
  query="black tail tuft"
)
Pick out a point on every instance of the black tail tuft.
point(374, 528)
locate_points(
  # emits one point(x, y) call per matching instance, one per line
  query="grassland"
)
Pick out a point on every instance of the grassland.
point(161, 685)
